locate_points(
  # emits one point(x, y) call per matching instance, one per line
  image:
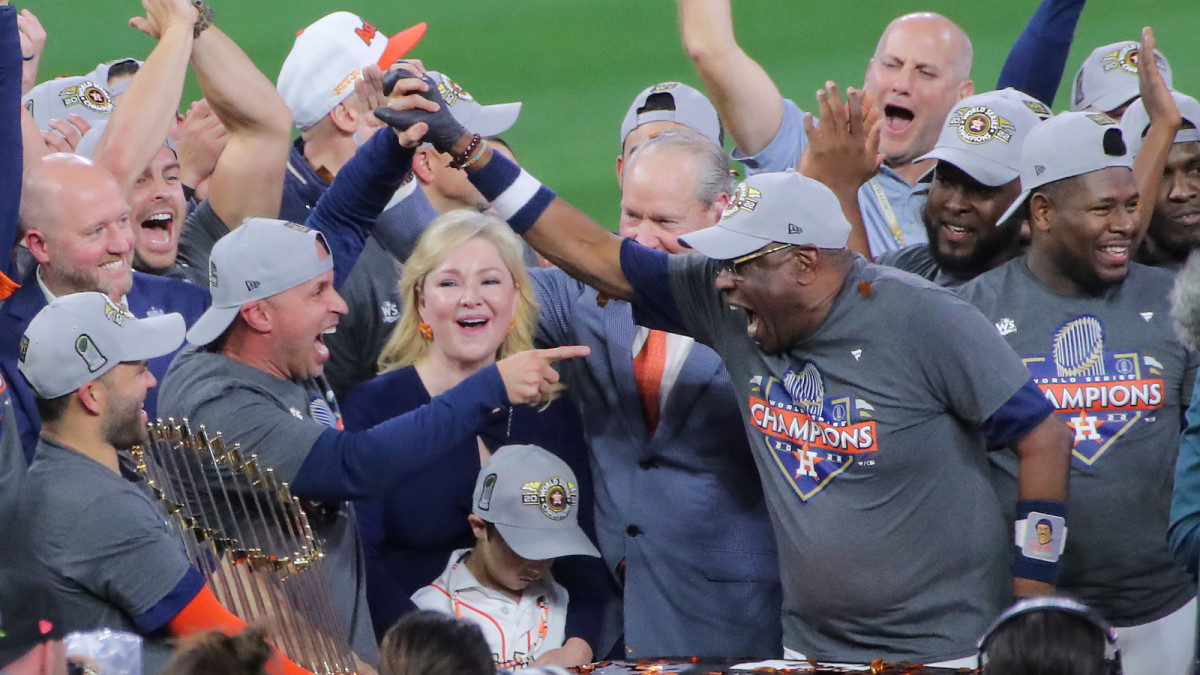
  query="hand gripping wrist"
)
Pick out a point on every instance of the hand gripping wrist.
point(444, 130)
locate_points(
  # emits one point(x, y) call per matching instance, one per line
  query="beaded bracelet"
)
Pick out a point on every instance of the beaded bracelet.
point(459, 161)
point(483, 146)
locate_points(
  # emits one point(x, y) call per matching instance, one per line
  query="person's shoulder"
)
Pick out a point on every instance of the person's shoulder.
point(1150, 279)
point(915, 258)
point(391, 389)
point(994, 282)
point(199, 376)
point(176, 294)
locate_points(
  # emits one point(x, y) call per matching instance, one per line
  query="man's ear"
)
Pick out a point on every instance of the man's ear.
point(478, 526)
point(93, 397)
point(717, 208)
point(345, 116)
point(1041, 212)
point(802, 264)
point(257, 316)
point(422, 164)
point(36, 241)
point(966, 88)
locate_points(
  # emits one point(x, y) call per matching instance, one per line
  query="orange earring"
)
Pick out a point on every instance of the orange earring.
point(511, 325)
point(426, 331)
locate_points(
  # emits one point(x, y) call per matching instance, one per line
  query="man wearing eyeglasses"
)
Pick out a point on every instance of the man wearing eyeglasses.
point(872, 455)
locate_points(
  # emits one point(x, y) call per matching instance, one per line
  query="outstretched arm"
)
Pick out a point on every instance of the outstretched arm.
point(138, 126)
point(1036, 61)
point(747, 101)
point(1165, 121)
point(248, 178)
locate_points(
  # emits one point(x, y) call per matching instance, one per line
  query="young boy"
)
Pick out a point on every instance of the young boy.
point(523, 516)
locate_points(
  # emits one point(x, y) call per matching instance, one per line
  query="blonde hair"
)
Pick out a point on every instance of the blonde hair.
point(405, 346)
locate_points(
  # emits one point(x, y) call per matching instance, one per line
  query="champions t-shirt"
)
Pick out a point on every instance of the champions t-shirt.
point(1112, 367)
point(867, 436)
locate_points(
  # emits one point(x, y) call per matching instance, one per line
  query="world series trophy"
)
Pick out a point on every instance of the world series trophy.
point(249, 536)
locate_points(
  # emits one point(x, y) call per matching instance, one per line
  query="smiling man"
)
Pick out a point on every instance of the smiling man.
point(921, 66)
point(77, 225)
point(851, 431)
point(975, 180)
point(256, 376)
point(1093, 328)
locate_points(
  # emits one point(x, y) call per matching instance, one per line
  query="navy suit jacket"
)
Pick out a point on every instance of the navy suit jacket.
point(149, 296)
point(684, 508)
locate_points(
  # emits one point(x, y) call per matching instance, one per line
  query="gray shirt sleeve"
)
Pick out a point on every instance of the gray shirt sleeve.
point(200, 233)
point(123, 552)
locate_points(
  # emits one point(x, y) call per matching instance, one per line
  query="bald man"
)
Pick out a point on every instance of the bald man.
point(77, 225)
point(920, 68)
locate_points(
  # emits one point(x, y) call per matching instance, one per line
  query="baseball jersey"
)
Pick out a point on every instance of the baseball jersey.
point(890, 207)
point(100, 543)
point(892, 541)
point(517, 631)
point(1113, 368)
point(278, 420)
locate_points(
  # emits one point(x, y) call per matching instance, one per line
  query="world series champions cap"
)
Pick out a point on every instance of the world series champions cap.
point(784, 207)
point(1108, 77)
point(532, 497)
point(1067, 145)
point(685, 105)
point(485, 120)
point(1136, 122)
point(983, 134)
point(55, 99)
point(263, 257)
point(328, 57)
point(81, 336)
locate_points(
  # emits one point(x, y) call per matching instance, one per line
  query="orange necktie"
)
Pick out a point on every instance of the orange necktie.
point(648, 370)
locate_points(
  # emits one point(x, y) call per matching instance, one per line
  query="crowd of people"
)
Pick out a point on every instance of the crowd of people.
point(848, 408)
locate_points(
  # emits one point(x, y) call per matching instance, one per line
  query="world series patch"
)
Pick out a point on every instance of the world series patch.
point(811, 438)
point(744, 198)
point(89, 95)
point(554, 496)
point(979, 124)
point(1099, 394)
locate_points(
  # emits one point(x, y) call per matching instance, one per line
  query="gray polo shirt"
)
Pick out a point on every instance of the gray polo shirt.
point(101, 544)
point(277, 420)
point(892, 541)
point(1111, 365)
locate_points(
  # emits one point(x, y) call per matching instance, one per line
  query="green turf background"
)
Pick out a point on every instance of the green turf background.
point(576, 64)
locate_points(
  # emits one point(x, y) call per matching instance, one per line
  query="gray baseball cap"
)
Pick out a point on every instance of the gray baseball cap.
point(984, 133)
point(263, 257)
point(785, 207)
point(81, 336)
point(532, 497)
point(1135, 123)
point(1066, 145)
point(485, 120)
point(1108, 77)
point(689, 107)
point(55, 99)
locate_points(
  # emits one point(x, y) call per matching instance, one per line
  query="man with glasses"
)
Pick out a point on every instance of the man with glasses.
point(891, 539)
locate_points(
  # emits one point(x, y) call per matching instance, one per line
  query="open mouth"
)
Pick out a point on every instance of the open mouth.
point(473, 324)
point(1115, 254)
point(899, 118)
point(157, 228)
point(752, 324)
point(321, 347)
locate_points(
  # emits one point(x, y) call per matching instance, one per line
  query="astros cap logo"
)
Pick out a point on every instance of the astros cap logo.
point(744, 197)
point(980, 124)
point(452, 92)
point(89, 95)
point(554, 496)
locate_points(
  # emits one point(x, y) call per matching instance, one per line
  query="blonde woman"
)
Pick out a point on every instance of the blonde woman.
point(468, 302)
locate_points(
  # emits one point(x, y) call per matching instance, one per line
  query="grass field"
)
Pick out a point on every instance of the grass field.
point(576, 64)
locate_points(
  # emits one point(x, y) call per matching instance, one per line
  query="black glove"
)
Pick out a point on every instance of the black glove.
point(444, 131)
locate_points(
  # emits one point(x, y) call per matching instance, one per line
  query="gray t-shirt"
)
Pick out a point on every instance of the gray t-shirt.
point(1112, 366)
point(892, 541)
point(201, 231)
point(100, 543)
point(917, 259)
point(277, 420)
point(12, 466)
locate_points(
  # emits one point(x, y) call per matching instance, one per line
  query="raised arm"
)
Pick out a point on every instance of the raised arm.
point(138, 126)
point(748, 102)
point(1036, 61)
point(11, 113)
point(248, 178)
point(1151, 159)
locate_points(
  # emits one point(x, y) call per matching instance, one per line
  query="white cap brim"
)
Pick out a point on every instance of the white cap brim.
point(211, 324)
point(982, 169)
point(493, 120)
point(719, 243)
point(1012, 208)
point(546, 543)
